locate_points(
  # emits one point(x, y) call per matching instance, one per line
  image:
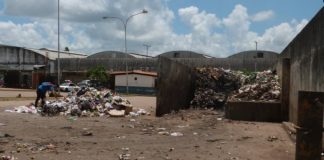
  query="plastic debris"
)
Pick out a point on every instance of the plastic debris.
point(116, 113)
point(89, 103)
point(262, 86)
point(215, 86)
point(24, 109)
point(176, 134)
point(7, 158)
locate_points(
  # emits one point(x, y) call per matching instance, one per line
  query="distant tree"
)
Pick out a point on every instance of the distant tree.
point(66, 49)
point(98, 73)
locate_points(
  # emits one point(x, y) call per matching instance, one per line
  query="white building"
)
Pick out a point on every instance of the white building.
point(139, 82)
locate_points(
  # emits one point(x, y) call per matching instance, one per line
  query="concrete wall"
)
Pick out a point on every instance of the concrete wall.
point(175, 86)
point(253, 111)
point(119, 64)
point(306, 53)
point(17, 55)
point(136, 80)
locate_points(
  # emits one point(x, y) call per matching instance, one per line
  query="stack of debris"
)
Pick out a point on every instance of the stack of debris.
point(213, 85)
point(262, 86)
point(88, 103)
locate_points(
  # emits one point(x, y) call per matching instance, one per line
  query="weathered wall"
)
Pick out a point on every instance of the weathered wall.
point(118, 64)
point(175, 86)
point(135, 80)
point(253, 111)
point(306, 53)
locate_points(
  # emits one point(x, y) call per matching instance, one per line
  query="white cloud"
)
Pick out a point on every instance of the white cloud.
point(277, 37)
point(263, 16)
point(200, 21)
point(82, 27)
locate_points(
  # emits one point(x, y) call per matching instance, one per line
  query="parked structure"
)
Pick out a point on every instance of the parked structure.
point(139, 82)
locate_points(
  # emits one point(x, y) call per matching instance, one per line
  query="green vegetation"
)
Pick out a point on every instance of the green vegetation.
point(98, 73)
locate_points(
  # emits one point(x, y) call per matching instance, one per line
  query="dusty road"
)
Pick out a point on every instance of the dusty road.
point(206, 136)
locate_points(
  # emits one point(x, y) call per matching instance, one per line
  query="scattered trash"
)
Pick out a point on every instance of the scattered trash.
point(160, 129)
point(18, 96)
point(4, 135)
point(176, 134)
point(24, 109)
point(139, 112)
point(214, 140)
point(164, 133)
point(272, 138)
point(180, 126)
point(219, 119)
point(91, 103)
point(87, 133)
point(7, 158)
point(116, 113)
point(125, 155)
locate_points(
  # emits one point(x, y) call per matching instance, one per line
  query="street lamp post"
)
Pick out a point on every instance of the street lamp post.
point(125, 22)
point(255, 60)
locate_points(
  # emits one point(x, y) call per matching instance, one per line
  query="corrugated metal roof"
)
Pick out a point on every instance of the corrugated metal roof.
point(52, 55)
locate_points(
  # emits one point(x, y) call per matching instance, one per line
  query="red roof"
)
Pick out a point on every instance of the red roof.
point(153, 74)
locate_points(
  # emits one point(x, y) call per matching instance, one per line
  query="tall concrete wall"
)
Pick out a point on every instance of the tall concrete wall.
point(117, 64)
point(306, 53)
point(175, 86)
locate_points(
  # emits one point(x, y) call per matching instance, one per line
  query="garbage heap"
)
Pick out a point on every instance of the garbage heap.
point(90, 103)
point(86, 103)
point(213, 85)
point(259, 86)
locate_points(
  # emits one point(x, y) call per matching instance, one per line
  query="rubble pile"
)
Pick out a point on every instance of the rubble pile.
point(262, 86)
point(213, 86)
point(86, 103)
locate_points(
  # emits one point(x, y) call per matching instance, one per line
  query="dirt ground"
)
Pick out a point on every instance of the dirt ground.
point(206, 136)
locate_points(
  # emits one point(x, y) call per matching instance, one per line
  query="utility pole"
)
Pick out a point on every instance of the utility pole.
point(256, 52)
point(147, 46)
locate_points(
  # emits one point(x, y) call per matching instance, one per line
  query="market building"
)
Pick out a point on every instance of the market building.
point(25, 67)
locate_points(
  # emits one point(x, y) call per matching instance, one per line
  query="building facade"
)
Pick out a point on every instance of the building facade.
point(139, 82)
point(25, 67)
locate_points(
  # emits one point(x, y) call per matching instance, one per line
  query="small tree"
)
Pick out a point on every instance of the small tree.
point(98, 73)
point(66, 49)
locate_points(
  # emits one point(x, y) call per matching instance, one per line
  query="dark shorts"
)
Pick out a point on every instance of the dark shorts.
point(41, 94)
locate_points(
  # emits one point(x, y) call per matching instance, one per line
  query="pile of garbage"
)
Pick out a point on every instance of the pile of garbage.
point(213, 85)
point(86, 103)
point(259, 86)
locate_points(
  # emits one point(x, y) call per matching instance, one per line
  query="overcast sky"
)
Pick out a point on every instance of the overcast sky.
point(215, 27)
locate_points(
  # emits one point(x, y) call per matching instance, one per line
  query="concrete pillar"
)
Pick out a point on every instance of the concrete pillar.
point(285, 89)
point(310, 124)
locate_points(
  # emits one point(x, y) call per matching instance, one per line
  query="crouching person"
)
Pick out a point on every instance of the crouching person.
point(41, 92)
